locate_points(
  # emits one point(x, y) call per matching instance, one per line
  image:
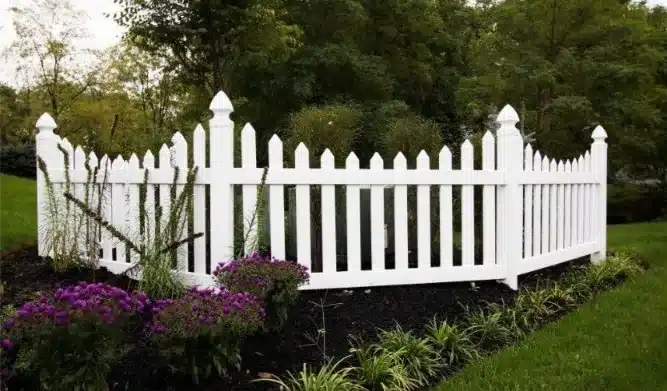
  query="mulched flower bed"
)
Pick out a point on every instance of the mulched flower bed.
point(341, 313)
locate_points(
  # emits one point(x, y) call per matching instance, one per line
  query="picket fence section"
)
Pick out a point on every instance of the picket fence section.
point(536, 211)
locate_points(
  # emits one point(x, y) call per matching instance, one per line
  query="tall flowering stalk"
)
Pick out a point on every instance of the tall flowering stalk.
point(71, 338)
point(202, 332)
point(275, 282)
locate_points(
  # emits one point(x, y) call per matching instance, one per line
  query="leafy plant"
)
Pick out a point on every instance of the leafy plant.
point(595, 277)
point(421, 360)
point(452, 343)
point(70, 339)
point(329, 378)
point(491, 327)
point(275, 282)
point(381, 370)
point(202, 332)
point(535, 305)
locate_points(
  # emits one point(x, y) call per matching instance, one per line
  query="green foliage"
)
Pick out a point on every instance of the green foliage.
point(18, 219)
point(381, 370)
point(452, 342)
point(595, 277)
point(492, 327)
point(329, 378)
point(630, 203)
point(18, 160)
point(538, 304)
point(421, 360)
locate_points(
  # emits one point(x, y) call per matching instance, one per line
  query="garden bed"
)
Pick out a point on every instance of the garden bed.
point(342, 313)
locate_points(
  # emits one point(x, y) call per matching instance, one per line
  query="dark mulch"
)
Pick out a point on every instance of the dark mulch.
point(341, 313)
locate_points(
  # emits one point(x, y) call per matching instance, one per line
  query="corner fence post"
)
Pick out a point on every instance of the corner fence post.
point(599, 162)
point(510, 196)
point(221, 160)
point(46, 147)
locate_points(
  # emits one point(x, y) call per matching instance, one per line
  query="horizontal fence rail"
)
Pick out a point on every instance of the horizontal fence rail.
point(352, 227)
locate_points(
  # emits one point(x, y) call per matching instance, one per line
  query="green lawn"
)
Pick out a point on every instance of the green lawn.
point(618, 341)
point(18, 212)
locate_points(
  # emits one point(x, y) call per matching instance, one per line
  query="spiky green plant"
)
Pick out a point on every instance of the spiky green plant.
point(491, 327)
point(452, 342)
point(420, 359)
point(380, 370)
point(330, 377)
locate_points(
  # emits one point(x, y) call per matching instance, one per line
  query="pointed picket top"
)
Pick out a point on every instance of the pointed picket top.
point(568, 166)
point(537, 161)
point(46, 123)
point(400, 161)
point(529, 150)
point(581, 163)
point(423, 161)
point(376, 161)
point(561, 166)
point(79, 157)
point(66, 144)
point(247, 131)
point(178, 139)
point(118, 163)
point(92, 160)
point(301, 158)
point(575, 165)
point(445, 159)
point(134, 161)
point(488, 138)
point(545, 164)
point(199, 129)
point(554, 166)
point(149, 159)
point(352, 161)
point(275, 141)
point(221, 104)
point(327, 159)
point(466, 147)
point(599, 134)
point(528, 157)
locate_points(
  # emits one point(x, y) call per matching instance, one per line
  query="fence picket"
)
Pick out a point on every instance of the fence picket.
point(199, 199)
point(118, 203)
point(582, 204)
point(467, 209)
point(92, 228)
point(180, 160)
point(489, 202)
point(537, 209)
point(276, 201)
point(561, 209)
point(401, 217)
point(132, 220)
point(302, 161)
point(446, 217)
point(328, 216)
point(150, 218)
point(545, 210)
point(249, 160)
point(79, 192)
point(588, 204)
point(353, 223)
point(105, 202)
point(575, 206)
point(423, 216)
point(553, 210)
point(567, 231)
point(377, 218)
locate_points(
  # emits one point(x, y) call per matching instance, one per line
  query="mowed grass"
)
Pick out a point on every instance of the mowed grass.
point(18, 212)
point(618, 341)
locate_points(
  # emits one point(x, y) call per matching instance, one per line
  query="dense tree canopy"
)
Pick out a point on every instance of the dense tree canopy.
point(401, 72)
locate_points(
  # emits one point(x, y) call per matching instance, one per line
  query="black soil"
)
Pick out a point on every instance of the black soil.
point(358, 312)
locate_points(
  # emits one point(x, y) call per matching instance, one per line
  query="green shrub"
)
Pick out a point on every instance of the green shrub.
point(275, 282)
point(534, 306)
point(595, 277)
point(381, 370)
point(203, 331)
point(18, 160)
point(328, 378)
point(452, 343)
point(421, 360)
point(70, 339)
point(630, 203)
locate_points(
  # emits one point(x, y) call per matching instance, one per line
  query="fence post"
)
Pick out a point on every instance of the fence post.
point(510, 197)
point(221, 160)
point(46, 147)
point(599, 163)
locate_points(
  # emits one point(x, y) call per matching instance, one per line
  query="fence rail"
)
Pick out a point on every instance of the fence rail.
point(535, 211)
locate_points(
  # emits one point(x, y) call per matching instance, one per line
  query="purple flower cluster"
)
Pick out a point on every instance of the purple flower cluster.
point(100, 303)
point(256, 273)
point(201, 310)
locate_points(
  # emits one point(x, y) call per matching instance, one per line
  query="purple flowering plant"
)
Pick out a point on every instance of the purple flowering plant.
point(202, 332)
point(275, 282)
point(72, 337)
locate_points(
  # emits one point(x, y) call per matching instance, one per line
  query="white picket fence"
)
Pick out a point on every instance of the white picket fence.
point(537, 212)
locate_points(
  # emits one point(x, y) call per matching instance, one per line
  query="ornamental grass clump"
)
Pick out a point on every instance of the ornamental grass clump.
point(201, 333)
point(275, 282)
point(70, 339)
